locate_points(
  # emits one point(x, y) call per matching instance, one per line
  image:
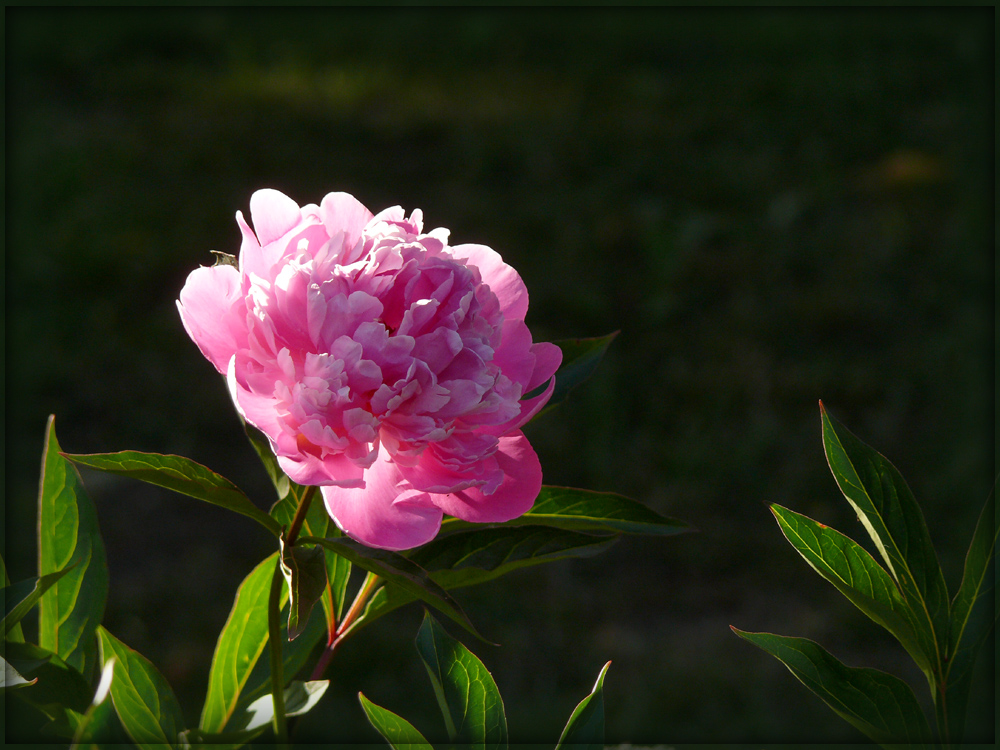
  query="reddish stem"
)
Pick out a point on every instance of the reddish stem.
point(346, 625)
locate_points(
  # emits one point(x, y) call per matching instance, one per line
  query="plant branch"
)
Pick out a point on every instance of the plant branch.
point(300, 516)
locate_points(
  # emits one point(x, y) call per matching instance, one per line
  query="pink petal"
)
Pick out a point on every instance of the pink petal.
point(274, 214)
point(515, 495)
point(213, 313)
point(503, 280)
point(547, 358)
point(304, 468)
point(258, 410)
point(335, 469)
point(383, 514)
point(342, 212)
point(429, 474)
point(514, 355)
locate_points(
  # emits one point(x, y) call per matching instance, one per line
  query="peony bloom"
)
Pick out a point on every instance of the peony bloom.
point(382, 363)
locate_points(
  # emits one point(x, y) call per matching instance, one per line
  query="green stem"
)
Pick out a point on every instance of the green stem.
point(300, 516)
point(274, 641)
point(941, 712)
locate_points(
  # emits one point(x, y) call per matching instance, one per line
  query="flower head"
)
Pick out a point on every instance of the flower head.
point(382, 364)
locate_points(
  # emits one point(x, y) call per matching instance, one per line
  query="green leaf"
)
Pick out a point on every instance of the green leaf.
point(58, 685)
point(180, 475)
point(397, 570)
point(23, 595)
point(240, 645)
point(238, 675)
point(12, 678)
point(585, 728)
point(68, 534)
point(973, 617)
point(855, 574)
point(890, 514)
point(318, 523)
point(57, 700)
point(878, 704)
point(472, 557)
point(97, 714)
point(282, 484)
point(304, 569)
point(580, 360)
point(975, 578)
point(144, 701)
point(15, 633)
point(294, 656)
point(396, 730)
point(583, 510)
point(468, 696)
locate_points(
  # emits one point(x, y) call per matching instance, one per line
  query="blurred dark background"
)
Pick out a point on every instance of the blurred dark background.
point(773, 207)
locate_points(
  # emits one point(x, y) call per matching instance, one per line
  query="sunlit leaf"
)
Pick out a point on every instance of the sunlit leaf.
point(855, 574)
point(144, 701)
point(180, 475)
point(20, 597)
point(585, 728)
point(241, 642)
point(579, 361)
point(304, 569)
point(97, 714)
point(890, 514)
point(878, 704)
point(300, 698)
point(12, 678)
point(68, 534)
point(396, 730)
point(398, 571)
point(583, 510)
point(465, 690)
point(294, 655)
point(238, 674)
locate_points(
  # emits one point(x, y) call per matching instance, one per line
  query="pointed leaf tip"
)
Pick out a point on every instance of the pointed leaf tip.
point(585, 728)
point(878, 704)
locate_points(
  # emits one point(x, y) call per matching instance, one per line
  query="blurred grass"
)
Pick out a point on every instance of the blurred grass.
point(773, 207)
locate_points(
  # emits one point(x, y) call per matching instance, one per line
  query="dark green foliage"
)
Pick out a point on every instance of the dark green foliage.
point(908, 597)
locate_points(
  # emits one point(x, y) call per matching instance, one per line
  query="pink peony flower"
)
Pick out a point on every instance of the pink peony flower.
point(383, 364)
